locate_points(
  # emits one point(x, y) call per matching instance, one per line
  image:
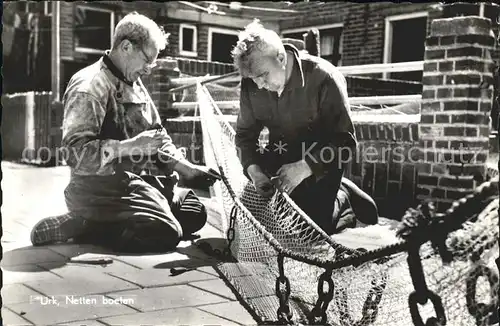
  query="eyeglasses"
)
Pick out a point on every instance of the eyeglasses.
point(150, 63)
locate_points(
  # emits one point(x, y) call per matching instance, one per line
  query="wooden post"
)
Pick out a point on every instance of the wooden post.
point(311, 40)
point(56, 51)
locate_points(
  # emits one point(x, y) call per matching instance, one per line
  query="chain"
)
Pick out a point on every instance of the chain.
point(318, 313)
point(226, 254)
point(230, 232)
point(284, 312)
point(341, 302)
point(370, 307)
point(481, 311)
point(422, 294)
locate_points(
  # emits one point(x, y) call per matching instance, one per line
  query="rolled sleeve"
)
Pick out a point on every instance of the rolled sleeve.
point(247, 132)
point(336, 126)
point(83, 117)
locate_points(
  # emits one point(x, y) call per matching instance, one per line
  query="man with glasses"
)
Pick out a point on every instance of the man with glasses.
point(112, 133)
point(302, 100)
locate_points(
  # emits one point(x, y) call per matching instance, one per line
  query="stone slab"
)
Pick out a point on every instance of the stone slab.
point(176, 316)
point(26, 273)
point(232, 311)
point(17, 293)
point(31, 256)
point(11, 319)
point(77, 271)
point(62, 311)
point(217, 286)
point(153, 261)
point(88, 322)
point(162, 277)
point(168, 297)
point(79, 285)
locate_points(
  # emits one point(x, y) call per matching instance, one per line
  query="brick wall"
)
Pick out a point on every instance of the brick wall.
point(364, 24)
point(456, 103)
point(147, 8)
point(385, 165)
point(172, 26)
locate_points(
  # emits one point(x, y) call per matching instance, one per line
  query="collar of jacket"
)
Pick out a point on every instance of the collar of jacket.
point(114, 69)
point(297, 78)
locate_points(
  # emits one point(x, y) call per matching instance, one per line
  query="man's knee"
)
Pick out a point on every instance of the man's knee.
point(148, 235)
point(189, 211)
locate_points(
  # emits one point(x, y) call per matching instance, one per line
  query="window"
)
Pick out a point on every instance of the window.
point(188, 40)
point(220, 44)
point(24, 6)
point(405, 37)
point(93, 29)
point(47, 8)
point(330, 38)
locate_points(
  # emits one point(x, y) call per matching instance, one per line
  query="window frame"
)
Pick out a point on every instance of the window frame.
point(46, 6)
point(182, 52)
point(319, 28)
point(81, 49)
point(217, 30)
point(388, 33)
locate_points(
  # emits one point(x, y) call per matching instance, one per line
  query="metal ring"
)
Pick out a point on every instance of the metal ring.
point(436, 302)
point(480, 310)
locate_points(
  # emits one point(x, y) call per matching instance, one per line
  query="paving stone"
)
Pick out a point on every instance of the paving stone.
point(152, 261)
point(21, 240)
point(196, 263)
point(209, 231)
point(232, 311)
point(66, 311)
point(162, 277)
point(17, 293)
point(194, 252)
point(83, 283)
point(88, 322)
point(72, 250)
point(217, 286)
point(208, 269)
point(177, 316)
point(11, 319)
point(31, 256)
point(254, 286)
point(168, 297)
point(79, 270)
point(26, 273)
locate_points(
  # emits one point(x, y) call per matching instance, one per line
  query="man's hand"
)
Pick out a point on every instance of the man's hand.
point(199, 175)
point(147, 142)
point(290, 175)
point(144, 144)
point(261, 182)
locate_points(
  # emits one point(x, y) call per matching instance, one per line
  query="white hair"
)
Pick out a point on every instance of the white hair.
point(139, 30)
point(255, 38)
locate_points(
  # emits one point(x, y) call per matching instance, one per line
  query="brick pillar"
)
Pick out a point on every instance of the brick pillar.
point(158, 83)
point(456, 103)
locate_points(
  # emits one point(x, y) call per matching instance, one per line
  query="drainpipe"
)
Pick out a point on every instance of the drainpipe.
point(56, 51)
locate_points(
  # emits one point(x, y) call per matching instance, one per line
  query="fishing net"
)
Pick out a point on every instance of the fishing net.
point(286, 269)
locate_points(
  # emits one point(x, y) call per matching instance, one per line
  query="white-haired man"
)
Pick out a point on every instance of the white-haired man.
point(302, 100)
point(111, 133)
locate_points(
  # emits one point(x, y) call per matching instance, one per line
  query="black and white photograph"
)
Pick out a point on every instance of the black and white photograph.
point(250, 163)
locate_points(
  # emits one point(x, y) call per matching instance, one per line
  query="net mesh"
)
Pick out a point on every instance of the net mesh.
point(373, 293)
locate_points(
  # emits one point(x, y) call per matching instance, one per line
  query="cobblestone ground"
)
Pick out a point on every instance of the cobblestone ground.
point(42, 287)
